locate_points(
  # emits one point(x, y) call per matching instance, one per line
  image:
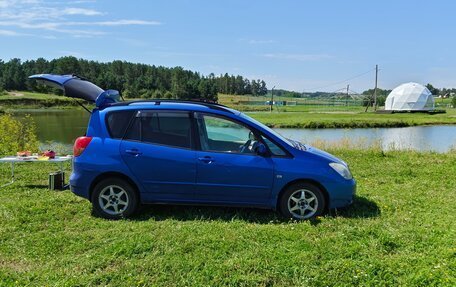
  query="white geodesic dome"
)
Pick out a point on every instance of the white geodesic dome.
point(410, 97)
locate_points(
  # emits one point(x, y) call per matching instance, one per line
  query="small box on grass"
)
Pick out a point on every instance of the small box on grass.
point(57, 180)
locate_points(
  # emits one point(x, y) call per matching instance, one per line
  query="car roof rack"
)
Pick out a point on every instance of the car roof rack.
point(157, 102)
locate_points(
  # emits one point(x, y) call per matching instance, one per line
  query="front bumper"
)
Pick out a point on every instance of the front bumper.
point(342, 195)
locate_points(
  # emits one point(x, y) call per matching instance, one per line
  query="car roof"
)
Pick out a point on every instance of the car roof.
point(197, 106)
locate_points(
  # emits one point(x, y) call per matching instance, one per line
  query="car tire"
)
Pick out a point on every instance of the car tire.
point(114, 198)
point(302, 201)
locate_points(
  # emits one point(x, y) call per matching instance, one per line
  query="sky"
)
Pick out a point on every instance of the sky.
point(297, 45)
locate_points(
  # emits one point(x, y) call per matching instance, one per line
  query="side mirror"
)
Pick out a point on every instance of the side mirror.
point(261, 149)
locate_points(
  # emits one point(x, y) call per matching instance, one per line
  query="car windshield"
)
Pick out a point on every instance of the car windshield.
point(268, 129)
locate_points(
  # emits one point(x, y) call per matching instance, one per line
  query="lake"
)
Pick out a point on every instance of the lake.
point(63, 126)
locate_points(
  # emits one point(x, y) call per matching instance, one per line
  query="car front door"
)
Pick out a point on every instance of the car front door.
point(228, 167)
point(158, 150)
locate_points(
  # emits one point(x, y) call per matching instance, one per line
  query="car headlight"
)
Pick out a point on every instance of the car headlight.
point(341, 169)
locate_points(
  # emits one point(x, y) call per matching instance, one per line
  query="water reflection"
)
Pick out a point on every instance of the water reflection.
point(422, 138)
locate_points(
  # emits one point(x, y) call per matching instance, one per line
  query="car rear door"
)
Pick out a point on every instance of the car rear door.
point(228, 168)
point(79, 88)
point(158, 150)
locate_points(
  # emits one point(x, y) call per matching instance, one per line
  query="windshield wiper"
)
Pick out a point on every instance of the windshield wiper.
point(298, 145)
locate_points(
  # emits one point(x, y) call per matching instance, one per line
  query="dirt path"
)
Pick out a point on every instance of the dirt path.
point(16, 94)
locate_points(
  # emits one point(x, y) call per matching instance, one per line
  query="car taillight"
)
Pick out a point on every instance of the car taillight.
point(80, 145)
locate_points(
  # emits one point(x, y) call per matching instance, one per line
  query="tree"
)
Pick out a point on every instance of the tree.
point(208, 89)
point(67, 66)
point(263, 89)
point(255, 88)
point(131, 79)
point(433, 90)
point(13, 75)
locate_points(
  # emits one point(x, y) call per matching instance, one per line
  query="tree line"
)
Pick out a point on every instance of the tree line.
point(133, 80)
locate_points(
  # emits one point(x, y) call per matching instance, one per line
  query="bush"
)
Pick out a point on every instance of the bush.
point(157, 94)
point(168, 95)
point(17, 135)
point(453, 101)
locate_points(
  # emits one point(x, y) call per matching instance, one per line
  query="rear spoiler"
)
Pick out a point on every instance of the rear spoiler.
point(79, 88)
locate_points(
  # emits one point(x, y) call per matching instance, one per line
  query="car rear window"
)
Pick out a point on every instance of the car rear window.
point(164, 128)
point(117, 122)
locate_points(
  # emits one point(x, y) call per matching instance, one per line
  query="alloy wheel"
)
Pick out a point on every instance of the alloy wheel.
point(113, 200)
point(302, 204)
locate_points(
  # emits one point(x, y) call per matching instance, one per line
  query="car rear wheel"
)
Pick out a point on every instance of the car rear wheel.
point(114, 198)
point(302, 201)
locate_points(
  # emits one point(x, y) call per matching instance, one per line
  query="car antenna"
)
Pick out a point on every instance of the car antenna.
point(84, 107)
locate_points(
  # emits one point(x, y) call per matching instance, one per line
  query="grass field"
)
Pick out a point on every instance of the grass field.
point(319, 115)
point(351, 119)
point(399, 232)
point(20, 100)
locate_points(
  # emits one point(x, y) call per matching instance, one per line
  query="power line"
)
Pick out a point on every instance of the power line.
point(340, 82)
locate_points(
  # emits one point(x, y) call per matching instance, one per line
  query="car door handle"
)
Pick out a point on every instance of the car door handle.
point(133, 152)
point(206, 159)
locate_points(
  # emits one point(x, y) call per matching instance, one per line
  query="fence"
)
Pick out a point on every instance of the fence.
point(305, 104)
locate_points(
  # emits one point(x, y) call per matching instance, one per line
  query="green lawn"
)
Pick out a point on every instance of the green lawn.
point(401, 231)
point(318, 114)
point(351, 119)
point(21, 99)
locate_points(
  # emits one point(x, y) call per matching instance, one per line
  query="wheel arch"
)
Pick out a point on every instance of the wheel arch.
point(304, 180)
point(114, 174)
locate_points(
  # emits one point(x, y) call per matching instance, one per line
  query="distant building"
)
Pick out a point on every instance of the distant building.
point(410, 97)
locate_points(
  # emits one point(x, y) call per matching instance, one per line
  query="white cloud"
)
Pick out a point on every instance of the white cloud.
point(298, 57)
point(81, 11)
point(82, 1)
point(122, 22)
point(125, 22)
point(53, 17)
point(261, 41)
point(4, 4)
point(9, 33)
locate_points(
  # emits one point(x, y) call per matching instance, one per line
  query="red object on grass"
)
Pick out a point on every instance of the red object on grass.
point(49, 153)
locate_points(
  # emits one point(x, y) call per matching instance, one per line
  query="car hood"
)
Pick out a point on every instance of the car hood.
point(323, 154)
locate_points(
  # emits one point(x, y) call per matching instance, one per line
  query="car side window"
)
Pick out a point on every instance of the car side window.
point(275, 149)
point(117, 122)
point(164, 128)
point(223, 135)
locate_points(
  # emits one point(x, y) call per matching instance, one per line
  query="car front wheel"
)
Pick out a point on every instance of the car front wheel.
point(302, 201)
point(114, 198)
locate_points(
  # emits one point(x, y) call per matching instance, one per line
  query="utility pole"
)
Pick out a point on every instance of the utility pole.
point(272, 99)
point(375, 89)
point(346, 100)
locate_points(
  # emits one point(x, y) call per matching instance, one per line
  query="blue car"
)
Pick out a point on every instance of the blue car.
point(190, 152)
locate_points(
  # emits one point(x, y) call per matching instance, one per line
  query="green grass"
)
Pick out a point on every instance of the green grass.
point(351, 119)
point(29, 100)
point(399, 232)
point(317, 114)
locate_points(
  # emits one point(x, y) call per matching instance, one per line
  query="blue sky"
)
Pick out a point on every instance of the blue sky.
point(298, 45)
